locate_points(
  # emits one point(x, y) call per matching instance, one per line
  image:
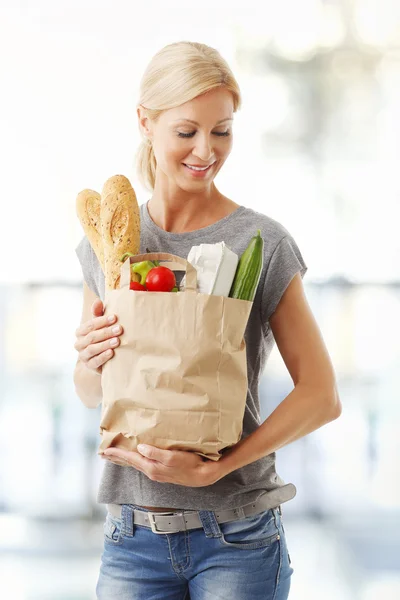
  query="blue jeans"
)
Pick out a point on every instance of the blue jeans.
point(245, 559)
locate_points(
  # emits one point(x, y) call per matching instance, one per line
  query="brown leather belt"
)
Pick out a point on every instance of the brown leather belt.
point(181, 520)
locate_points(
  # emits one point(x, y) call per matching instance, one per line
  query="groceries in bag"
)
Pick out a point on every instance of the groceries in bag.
point(249, 269)
point(111, 222)
point(152, 276)
point(219, 271)
point(179, 380)
point(215, 265)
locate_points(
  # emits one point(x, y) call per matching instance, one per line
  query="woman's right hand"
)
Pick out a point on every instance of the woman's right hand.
point(96, 339)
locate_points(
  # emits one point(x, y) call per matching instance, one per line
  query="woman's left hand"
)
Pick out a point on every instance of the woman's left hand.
point(167, 466)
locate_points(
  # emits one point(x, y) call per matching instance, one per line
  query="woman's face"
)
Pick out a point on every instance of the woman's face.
point(205, 143)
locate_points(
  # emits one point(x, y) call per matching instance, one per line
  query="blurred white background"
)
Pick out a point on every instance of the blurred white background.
point(316, 147)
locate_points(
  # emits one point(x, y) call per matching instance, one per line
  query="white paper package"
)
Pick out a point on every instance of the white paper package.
point(216, 267)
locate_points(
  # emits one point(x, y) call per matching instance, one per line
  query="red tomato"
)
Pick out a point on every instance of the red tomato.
point(160, 279)
point(135, 285)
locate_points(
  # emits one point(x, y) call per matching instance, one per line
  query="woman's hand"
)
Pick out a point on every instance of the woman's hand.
point(97, 338)
point(167, 466)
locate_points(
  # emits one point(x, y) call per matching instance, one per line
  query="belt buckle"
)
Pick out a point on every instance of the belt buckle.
point(153, 523)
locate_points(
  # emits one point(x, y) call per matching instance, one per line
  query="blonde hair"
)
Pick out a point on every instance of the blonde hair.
point(176, 74)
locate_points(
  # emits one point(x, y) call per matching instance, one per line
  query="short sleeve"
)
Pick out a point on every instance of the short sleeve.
point(285, 262)
point(84, 253)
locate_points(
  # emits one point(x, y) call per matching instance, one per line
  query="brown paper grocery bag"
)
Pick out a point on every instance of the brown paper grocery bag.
point(178, 379)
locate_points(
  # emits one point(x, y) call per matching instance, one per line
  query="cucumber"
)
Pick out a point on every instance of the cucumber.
point(248, 272)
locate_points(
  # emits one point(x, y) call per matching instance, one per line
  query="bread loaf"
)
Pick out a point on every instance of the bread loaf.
point(88, 211)
point(120, 226)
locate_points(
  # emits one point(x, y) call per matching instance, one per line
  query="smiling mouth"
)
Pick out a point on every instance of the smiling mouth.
point(199, 169)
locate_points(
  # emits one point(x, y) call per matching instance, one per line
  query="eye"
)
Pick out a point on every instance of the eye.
point(188, 135)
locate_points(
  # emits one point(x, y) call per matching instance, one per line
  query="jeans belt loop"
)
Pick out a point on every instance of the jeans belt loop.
point(240, 513)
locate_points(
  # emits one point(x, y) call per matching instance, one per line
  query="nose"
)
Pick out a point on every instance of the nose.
point(204, 148)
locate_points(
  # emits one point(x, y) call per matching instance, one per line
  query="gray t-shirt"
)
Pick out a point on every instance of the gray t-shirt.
point(282, 260)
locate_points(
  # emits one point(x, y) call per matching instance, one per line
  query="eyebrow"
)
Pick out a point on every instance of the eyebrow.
point(196, 123)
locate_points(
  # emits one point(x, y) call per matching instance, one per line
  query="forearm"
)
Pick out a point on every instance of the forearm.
point(88, 385)
point(301, 412)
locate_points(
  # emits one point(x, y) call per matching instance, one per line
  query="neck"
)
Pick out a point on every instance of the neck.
point(181, 211)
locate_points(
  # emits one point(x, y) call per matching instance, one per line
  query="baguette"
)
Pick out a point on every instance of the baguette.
point(120, 226)
point(88, 211)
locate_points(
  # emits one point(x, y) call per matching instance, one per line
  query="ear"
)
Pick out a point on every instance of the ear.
point(144, 122)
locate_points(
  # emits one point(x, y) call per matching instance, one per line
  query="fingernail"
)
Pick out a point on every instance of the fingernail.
point(111, 318)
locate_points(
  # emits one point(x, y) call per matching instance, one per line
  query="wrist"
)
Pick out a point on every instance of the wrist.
point(216, 470)
point(230, 459)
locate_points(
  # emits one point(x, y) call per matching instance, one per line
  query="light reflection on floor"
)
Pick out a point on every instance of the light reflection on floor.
point(60, 561)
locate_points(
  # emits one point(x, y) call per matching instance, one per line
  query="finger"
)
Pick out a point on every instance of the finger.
point(94, 324)
point(166, 457)
point(118, 453)
point(91, 350)
point(98, 361)
point(91, 325)
point(97, 308)
point(132, 459)
point(98, 341)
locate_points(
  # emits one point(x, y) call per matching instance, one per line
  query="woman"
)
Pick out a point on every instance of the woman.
point(223, 534)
